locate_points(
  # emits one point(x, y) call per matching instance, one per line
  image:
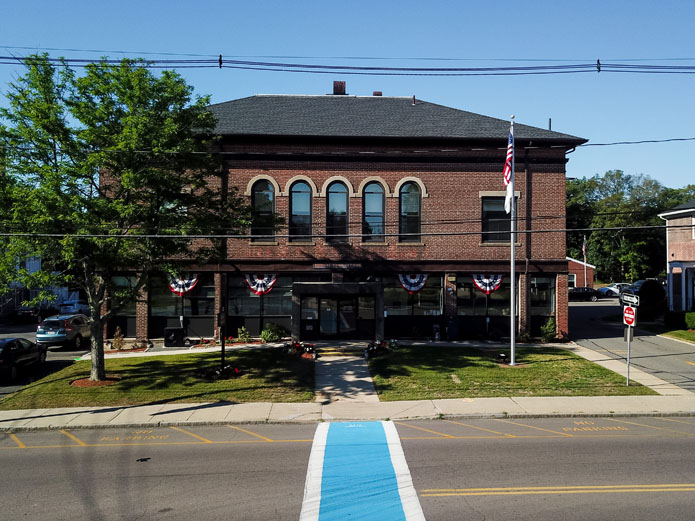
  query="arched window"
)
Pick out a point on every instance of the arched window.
point(263, 210)
point(409, 222)
point(373, 213)
point(337, 213)
point(300, 212)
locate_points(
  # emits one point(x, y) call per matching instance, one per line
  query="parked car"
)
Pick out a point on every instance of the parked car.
point(613, 290)
point(652, 297)
point(65, 330)
point(74, 307)
point(33, 314)
point(16, 352)
point(584, 294)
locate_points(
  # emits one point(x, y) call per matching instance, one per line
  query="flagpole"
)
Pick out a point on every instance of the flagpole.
point(512, 262)
point(584, 253)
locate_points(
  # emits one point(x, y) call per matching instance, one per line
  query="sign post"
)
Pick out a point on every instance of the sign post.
point(629, 316)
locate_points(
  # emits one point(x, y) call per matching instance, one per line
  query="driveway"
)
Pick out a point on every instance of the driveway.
point(670, 360)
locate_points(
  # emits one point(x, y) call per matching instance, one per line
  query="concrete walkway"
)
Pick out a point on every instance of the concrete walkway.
point(344, 391)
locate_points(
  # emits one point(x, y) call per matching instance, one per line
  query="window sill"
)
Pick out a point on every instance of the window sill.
point(301, 243)
point(410, 244)
point(497, 244)
point(375, 243)
point(263, 243)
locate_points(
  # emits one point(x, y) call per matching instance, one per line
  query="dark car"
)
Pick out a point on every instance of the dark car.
point(585, 294)
point(33, 314)
point(17, 352)
point(652, 297)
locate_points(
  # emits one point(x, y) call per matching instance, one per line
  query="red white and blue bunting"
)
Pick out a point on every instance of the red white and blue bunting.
point(487, 284)
point(260, 286)
point(414, 282)
point(181, 286)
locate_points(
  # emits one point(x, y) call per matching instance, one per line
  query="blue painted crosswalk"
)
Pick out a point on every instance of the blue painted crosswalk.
point(357, 470)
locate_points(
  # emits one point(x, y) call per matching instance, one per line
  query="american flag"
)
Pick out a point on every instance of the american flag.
point(508, 170)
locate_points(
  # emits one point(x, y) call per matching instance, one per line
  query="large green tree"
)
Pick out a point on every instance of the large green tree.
point(620, 212)
point(107, 171)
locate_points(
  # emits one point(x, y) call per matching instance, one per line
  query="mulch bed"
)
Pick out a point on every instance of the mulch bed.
point(86, 382)
point(133, 350)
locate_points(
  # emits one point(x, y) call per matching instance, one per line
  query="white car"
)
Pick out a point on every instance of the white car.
point(74, 307)
point(613, 290)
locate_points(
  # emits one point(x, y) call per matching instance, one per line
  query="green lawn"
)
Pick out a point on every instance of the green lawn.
point(429, 372)
point(268, 376)
point(681, 334)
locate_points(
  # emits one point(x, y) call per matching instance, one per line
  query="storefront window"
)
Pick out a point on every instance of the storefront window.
point(472, 301)
point(124, 285)
point(200, 301)
point(426, 302)
point(542, 295)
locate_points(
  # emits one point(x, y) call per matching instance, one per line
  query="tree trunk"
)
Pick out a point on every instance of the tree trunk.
point(98, 372)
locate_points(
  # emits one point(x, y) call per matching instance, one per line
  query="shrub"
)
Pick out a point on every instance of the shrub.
point(272, 333)
point(243, 334)
point(118, 342)
point(548, 333)
point(690, 320)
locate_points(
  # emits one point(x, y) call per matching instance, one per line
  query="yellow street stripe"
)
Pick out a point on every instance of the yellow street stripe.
point(204, 440)
point(583, 489)
point(691, 363)
point(249, 432)
point(481, 429)
point(650, 426)
point(73, 438)
point(672, 420)
point(537, 428)
point(424, 430)
point(17, 441)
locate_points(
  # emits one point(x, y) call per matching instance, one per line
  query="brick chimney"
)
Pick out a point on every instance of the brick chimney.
point(339, 88)
point(377, 93)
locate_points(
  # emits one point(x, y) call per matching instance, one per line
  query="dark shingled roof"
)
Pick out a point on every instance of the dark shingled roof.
point(690, 205)
point(365, 116)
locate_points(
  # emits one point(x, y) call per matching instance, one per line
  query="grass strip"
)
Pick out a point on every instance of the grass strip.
point(433, 372)
point(267, 376)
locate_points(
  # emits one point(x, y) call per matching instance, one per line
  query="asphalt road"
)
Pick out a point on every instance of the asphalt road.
point(670, 360)
point(543, 469)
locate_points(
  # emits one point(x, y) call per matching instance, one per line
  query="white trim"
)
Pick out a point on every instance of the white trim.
point(373, 179)
point(311, 502)
point(341, 179)
point(306, 179)
point(693, 226)
point(581, 262)
point(416, 180)
point(497, 193)
point(670, 215)
point(253, 180)
point(409, 500)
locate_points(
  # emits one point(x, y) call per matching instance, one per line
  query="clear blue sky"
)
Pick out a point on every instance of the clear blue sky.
point(603, 107)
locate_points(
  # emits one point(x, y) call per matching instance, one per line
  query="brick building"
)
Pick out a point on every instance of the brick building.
point(393, 223)
point(581, 274)
point(680, 256)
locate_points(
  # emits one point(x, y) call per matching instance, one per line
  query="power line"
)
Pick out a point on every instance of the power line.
point(328, 68)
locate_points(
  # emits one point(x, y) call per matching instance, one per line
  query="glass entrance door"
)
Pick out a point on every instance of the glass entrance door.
point(338, 317)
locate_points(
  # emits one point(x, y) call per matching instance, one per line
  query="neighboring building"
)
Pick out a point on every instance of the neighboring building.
point(581, 274)
point(395, 224)
point(680, 256)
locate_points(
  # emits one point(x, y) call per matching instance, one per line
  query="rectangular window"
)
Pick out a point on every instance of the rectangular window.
point(496, 225)
point(428, 301)
point(693, 233)
point(572, 279)
point(542, 295)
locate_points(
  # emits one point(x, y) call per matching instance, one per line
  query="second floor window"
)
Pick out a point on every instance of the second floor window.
point(337, 213)
point(300, 212)
point(263, 210)
point(373, 213)
point(410, 218)
point(496, 222)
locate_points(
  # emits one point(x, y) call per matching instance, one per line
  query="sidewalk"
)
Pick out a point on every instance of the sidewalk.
point(344, 391)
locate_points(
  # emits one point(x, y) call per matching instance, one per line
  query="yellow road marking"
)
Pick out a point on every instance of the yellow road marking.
point(17, 440)
point(481, 429)
point(249, 432)
point(581, 489)
point(676, 421)
point(691, 363)
point(650, 426)
point(424, 430)
point(204, 440)
point(537, 428)
point(73, 438)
